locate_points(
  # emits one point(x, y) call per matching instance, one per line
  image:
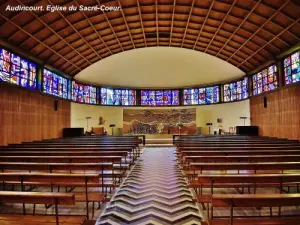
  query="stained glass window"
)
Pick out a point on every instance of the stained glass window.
point(84, 93)
point(292, 68)
point(54, 84)
point(201, 96)
point(110, 96)
point(236, 90)
point(17, 70)
point(159, 97)
point(265, 80)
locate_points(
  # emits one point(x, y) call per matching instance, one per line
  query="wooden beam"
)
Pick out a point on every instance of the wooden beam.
point(203, 24)
point(188, 21)
point(126, 23)
point(172, 22)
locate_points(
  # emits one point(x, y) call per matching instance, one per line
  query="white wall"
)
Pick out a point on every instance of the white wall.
point(230, 114)
point(111, 115)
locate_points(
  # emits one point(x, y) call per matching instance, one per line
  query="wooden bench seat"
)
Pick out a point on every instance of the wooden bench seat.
point(55, 166)
point(50, 180)
point(106, 184)
point(6, 219)
point(256, 221)
point(61, 159)
point(253, 200)
point(239, 152)
point(254, 166)
point(45, 198)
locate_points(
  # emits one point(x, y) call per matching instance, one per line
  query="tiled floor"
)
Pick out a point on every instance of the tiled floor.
point(155, 192)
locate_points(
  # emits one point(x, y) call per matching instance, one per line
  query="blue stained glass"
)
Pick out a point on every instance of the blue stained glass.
point(216, 94)
point(287, 61)
point(168, 98)
point(110, 96)
point(237, 90)
point(5, 55)
point(103, 94)
point(186, 94)
point(54, 84)
point(266, 80)
point(175, 97)
point(32, 75)
point(15, 59)
point(159, 97)
point(83, 93)
point(292, 68)
point(151, 98)
point(201, 96)
point(16, 70)
point(194, 96)
point(93, 95)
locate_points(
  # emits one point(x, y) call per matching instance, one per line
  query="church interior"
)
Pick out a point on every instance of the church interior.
point(162, 112)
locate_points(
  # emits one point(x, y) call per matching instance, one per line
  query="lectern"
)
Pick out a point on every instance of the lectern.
point(112, 129)
point(244, 118)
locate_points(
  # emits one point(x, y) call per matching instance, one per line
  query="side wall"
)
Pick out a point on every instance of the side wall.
point(281, 118)
point(229, 112)
point(28, 116)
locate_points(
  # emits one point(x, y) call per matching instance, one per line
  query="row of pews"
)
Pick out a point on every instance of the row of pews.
point(233, 176)
point(62, 173)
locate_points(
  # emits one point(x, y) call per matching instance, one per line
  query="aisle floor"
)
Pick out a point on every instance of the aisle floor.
point(155, 192)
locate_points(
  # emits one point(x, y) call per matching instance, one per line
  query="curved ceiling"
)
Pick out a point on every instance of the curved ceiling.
point(245, 33)
point(159, 67)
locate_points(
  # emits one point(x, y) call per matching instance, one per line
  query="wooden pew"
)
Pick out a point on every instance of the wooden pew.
point(55, 199)
point(61, 159)
point(123, 154)
point(245, 148)
point(58, 179)
point(134, 152)
point(249, 181)
point(239, 152)
point(254, 166)
point(240, 158)
point(4, 166)
point(258, 201)
point(122, 167)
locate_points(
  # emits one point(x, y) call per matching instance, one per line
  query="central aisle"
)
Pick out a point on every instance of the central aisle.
point(155, 192)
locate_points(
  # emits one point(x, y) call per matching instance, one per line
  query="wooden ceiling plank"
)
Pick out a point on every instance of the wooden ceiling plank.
point(53, 31)
point(111, 27)
point(288, 27)
point(285, 15)
point(260, 16)
point(260, 28)
point(224, 18)
point(46, 46)
point(71, 25)
point(92, 25)
point(121, 9)
point(187, 23)
point(241, 24)
point(156, 21)
point(172, 22)
point(141, 21)
point(202, 26)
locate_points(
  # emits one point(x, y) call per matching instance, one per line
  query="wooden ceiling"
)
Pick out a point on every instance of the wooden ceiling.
point(245, 33)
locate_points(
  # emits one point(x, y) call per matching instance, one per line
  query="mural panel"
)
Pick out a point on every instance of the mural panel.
point(159, 121)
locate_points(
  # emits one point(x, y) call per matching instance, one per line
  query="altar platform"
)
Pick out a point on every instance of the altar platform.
point(157, 140)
